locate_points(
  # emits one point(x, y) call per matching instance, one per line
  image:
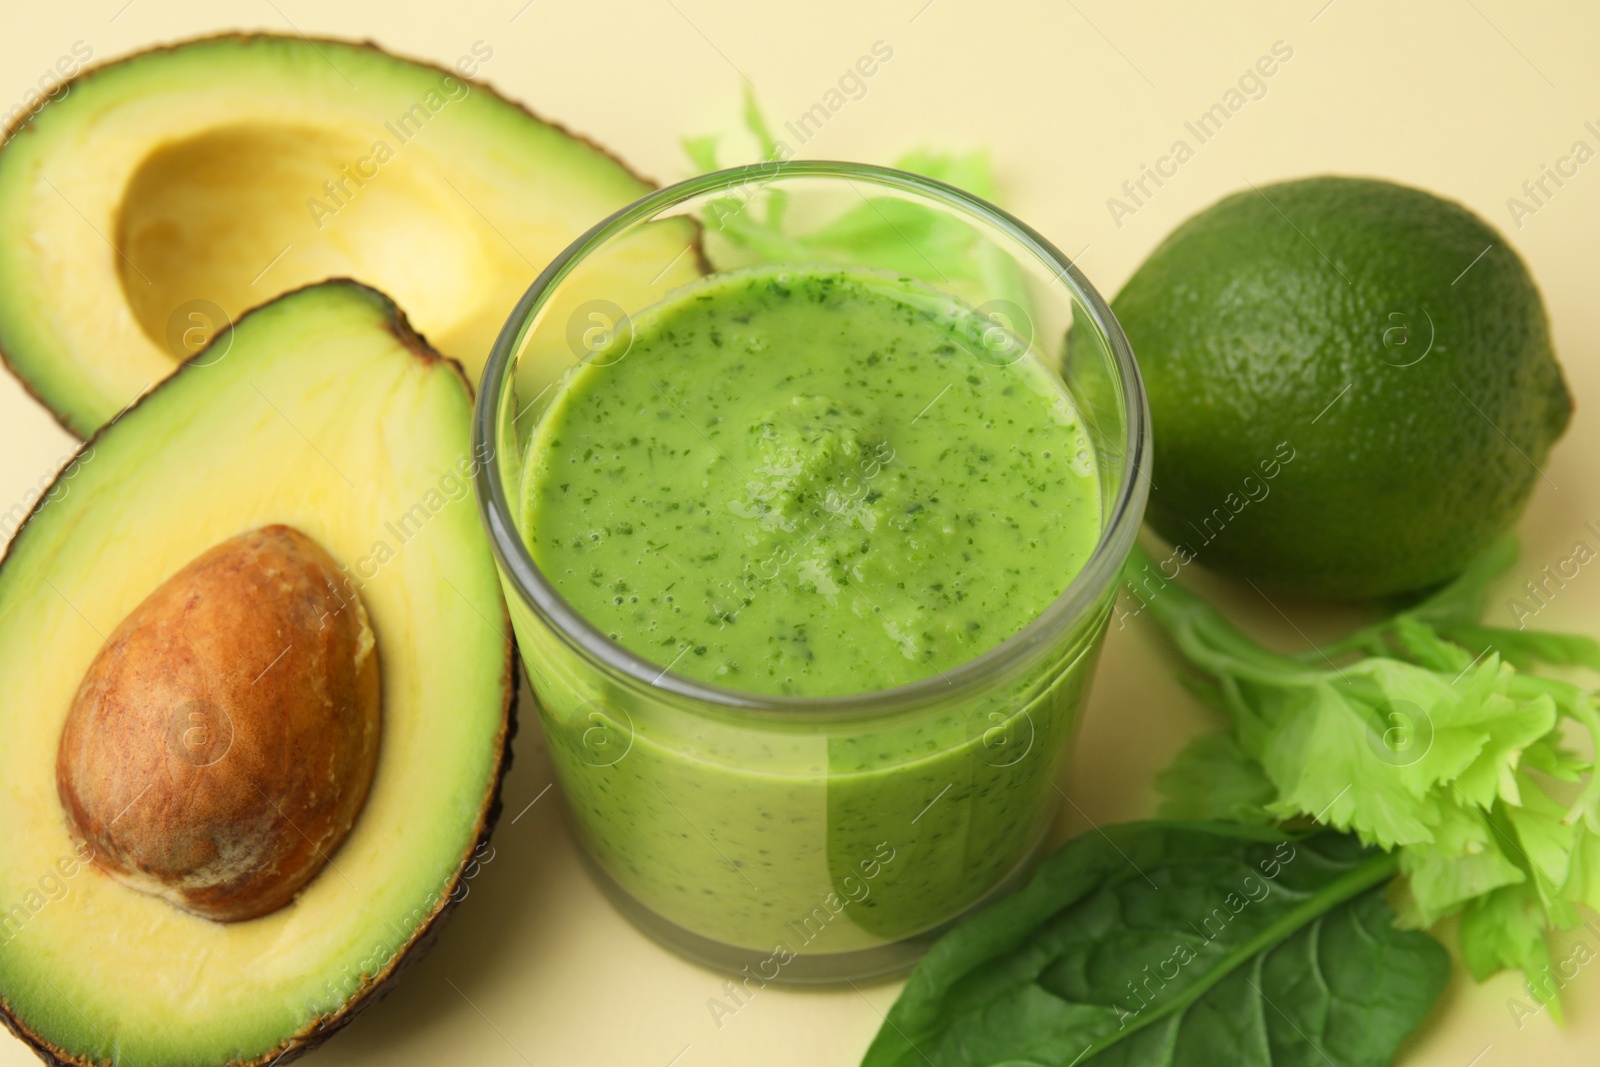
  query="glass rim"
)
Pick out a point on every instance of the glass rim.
point(1066, 610)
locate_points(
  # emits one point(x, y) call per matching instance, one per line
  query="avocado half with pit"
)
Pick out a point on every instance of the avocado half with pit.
point(168, 192)
point(258, 696)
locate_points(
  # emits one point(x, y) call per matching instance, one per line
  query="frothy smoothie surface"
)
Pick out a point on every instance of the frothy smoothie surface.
point(811, 482)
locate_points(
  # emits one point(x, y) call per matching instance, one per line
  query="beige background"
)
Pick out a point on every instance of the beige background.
point(1465, 97)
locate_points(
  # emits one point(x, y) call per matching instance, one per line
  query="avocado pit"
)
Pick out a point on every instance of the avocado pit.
point(224, 739)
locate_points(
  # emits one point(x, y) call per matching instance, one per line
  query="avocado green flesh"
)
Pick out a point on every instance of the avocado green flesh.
point(324, 412)
point(225, 171)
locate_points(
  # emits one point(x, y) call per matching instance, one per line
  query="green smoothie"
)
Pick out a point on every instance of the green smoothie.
point(809, 482)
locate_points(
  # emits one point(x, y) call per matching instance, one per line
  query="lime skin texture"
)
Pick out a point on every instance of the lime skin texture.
point(1351, 382)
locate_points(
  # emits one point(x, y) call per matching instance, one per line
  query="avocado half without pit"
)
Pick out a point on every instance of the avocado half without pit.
point(224, 171)
point(259, 692)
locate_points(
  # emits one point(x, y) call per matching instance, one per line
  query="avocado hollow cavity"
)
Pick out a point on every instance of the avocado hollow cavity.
point(224, 739)
point(178, 227)
point(228, 170)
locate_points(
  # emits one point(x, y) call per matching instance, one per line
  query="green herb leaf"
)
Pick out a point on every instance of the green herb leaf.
point(1212, 778)
point(756, 123)
point(1462, 599)
point(1175, 944)
point(1420, 734)
point(1526, 649)
point(882, 232)
point(1464, 860)
point(1379, 746)
point(702, 151)
point(1504, 928)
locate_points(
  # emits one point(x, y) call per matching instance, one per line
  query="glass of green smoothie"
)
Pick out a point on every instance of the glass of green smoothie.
point(809, 484)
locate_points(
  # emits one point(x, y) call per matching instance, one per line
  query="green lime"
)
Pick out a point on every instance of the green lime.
point(1351, 383)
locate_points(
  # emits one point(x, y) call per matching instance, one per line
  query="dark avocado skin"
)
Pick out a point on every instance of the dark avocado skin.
point(377, 986)
point(1405, 466)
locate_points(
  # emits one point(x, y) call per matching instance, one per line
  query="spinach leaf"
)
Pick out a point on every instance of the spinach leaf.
point(1167, 944)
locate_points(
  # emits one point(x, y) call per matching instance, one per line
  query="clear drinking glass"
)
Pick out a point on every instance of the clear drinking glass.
point(783, 838)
